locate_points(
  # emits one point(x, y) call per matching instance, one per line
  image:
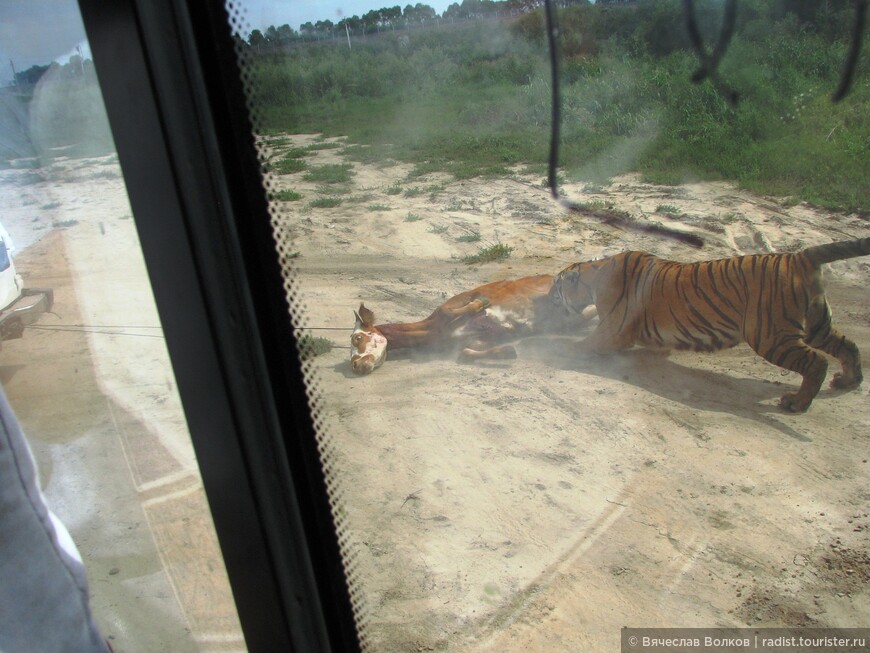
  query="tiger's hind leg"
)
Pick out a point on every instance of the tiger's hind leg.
point(822, 335)
point(791, 352)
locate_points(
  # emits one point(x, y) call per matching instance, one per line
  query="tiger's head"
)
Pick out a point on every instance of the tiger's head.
point(572, 289)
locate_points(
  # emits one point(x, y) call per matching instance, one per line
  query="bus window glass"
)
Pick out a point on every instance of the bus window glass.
point(534, 436)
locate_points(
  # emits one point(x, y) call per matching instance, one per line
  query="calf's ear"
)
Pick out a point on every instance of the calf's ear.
point(365, 316)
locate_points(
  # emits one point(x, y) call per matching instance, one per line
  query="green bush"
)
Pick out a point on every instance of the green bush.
point(496, 252)
point(333, 173)
point(325, 202)
point(287, 166)
point(474, 100)
point(311, 346)
point(285, 195)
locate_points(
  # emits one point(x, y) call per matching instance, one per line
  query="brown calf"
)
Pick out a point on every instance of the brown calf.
point(480, 320)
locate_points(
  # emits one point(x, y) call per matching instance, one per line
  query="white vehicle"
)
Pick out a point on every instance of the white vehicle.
point(20, 306)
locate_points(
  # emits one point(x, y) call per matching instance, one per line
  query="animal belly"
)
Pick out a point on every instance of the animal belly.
point(495, 324)
point(693, 339)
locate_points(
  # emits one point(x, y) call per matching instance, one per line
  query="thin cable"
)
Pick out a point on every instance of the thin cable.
point(314, 328)
point(47, 327)
point(710, 63)
point(851, 63)
point(104, 326)
point(556, 119)
point(555, 127)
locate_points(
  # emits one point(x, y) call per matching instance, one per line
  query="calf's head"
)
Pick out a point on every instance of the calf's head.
point(368, 346)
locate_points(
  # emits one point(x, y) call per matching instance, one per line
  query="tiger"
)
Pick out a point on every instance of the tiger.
point(773, 302)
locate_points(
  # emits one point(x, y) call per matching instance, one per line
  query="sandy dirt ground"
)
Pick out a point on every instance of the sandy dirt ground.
point(544, 503)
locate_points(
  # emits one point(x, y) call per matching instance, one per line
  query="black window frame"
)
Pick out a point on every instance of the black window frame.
point(174, 96)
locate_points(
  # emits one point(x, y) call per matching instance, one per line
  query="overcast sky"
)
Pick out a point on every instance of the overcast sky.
point(37, 32)
point(262, 13)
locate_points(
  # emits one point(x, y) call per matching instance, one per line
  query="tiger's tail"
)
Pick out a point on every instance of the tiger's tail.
point(821, 254)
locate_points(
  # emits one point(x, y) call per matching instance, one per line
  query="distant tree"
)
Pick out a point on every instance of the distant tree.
point(271, 35)
point(453, 13)
point(30, 76)
point(425, 13)
point(287, 34)
point(419, 14)
point(373, 20)
point(256, 40)
point(324, 28)
point(476, 9)
point(471, 9)
point(75, 66)
point(392, 16)
point(240, 43)
point(354, 23)
point(307, 30)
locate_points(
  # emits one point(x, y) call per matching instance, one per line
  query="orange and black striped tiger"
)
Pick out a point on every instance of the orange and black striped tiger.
point(774, 302)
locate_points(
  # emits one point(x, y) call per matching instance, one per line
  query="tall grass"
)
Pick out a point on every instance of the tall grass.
point(474, 99)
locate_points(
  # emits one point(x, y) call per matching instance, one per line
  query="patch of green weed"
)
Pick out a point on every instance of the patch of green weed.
point(335, 189)
point(285, 195)
point(325, 202)
point(331, 145)
point(287, 166)
point(311, 346)
point(496, 252)
point(331, 173)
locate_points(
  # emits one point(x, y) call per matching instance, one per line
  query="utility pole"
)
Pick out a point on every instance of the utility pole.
point(14, 74)
point(347, 31)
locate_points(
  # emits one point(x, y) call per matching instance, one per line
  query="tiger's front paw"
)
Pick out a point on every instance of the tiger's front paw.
point(794, 403)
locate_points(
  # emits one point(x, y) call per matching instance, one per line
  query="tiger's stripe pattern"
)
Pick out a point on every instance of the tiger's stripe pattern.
point(773, 302)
